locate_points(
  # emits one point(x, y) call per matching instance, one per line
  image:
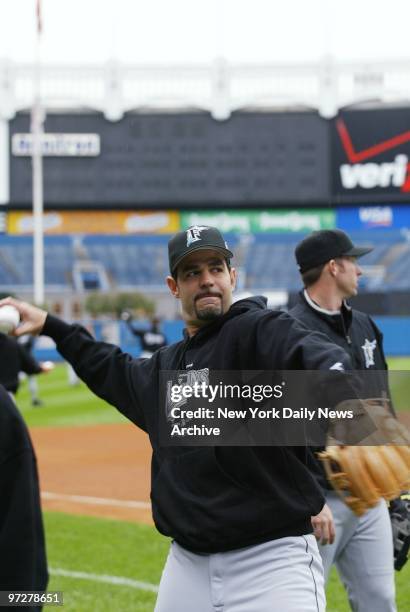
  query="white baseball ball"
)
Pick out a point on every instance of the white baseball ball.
point(9, 319)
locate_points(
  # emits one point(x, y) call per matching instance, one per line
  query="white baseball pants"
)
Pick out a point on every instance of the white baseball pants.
point(283, 575)
point(363, 555)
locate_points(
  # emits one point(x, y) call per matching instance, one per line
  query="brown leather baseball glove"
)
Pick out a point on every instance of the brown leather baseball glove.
point(377, 467)
point(362, 475)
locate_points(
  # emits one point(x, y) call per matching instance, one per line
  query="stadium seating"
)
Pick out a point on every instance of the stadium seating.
point(270, 262)
point(382, 267)
point(130, 260)
point(16, 261)
point(266, 261)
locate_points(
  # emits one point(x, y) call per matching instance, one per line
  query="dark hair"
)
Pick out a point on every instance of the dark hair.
point(310, 277)
point(174, 274)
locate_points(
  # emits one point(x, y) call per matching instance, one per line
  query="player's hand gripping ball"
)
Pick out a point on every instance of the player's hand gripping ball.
point(9, 319)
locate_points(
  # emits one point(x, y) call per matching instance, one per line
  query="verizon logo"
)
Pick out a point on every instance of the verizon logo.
point(361, 172)
point(371, 175)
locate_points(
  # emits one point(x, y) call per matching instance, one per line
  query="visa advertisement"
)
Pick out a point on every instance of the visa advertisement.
point(383, 217)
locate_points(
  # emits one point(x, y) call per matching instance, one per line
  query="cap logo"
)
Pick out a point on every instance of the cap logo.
point(193, 234)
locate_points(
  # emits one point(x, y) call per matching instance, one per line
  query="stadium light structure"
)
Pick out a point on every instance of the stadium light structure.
point(37, 121)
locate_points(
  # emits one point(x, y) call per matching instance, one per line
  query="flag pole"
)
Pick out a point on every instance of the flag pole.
point(37, 120)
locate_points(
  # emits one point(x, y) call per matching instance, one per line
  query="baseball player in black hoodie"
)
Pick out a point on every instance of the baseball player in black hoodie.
point(362, 549)
point(150, 339)
point(240, 518)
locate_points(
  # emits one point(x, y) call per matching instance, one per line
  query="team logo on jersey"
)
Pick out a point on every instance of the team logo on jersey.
point(337, 366)
point(368, 350)
point(184, 379)
point(193, 234)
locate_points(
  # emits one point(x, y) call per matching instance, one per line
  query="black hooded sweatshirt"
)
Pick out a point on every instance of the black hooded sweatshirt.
point(23, 563)
point(213, 499)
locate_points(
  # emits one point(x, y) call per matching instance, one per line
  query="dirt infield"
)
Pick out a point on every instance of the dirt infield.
point(108, 462)
point(404, 417)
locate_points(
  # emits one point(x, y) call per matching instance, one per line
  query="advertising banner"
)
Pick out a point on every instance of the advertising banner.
point(97, 222)
point(373, 217)
point(262, 221)
point(371, 153)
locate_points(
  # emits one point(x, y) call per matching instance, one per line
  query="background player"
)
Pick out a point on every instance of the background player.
point(27, 342)
point(150, 339)
point(14, 358)
point(362, 549)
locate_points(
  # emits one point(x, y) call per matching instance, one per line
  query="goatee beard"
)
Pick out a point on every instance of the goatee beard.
point(209, 314)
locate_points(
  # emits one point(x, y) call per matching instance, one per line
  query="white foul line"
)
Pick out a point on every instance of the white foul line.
point(99, 501)
point(106, 579)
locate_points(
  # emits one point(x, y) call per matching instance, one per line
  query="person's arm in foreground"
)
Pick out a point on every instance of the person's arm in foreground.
point(111, 374)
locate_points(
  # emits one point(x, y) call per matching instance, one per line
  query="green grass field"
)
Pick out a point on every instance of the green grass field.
point(104, 565)
point(399, 363)
point(64, 405)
